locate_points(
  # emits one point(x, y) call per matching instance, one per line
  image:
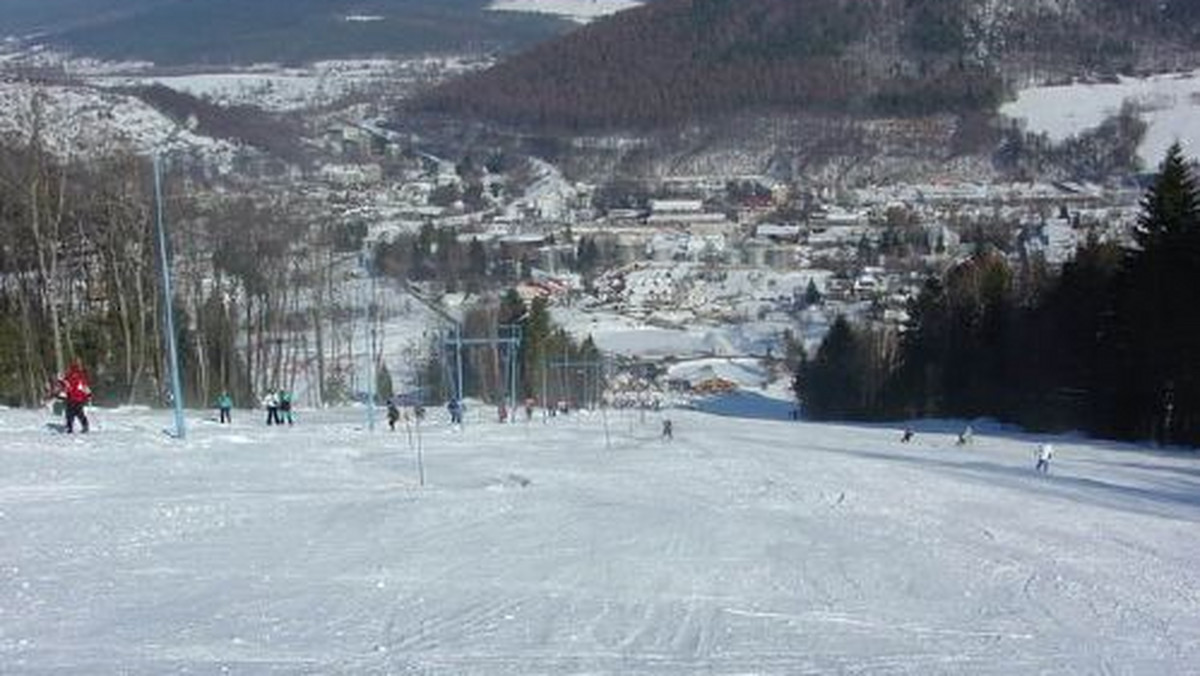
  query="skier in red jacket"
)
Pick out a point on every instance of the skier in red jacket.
point(76, 391)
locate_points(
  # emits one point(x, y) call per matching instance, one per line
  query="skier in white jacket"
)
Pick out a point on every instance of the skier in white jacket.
point(1044, 453)
point(270, 401)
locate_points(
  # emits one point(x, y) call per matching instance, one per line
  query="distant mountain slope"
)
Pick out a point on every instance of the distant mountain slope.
point(580, 11)
point(244, 125)
point(24, 17)
point(183, 32)
point(676, 60)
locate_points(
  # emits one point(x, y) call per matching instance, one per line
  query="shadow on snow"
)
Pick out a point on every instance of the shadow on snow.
point(1163, 498)
point(745, 404)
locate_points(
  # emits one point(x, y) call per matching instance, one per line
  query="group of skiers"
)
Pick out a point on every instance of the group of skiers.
point(1042, 455)
point(279, 407)
point(277, 402)
point(393, 413)
point(75, 391)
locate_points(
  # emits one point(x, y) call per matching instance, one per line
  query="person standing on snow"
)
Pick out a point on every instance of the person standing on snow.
point(668, 429)
point(1044, 454)
point(393, 414)
point(76, 392)
point(225, 407)
point(285, 408)
point(271, 403)
point(966, 436)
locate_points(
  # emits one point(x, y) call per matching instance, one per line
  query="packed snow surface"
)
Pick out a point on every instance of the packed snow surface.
point(581, 11)
point(585, 544)
point(1170, 105)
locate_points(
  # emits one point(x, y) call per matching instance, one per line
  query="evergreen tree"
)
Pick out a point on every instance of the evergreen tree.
point(535, 349)
point(812, 295)
point(592, 375)
point(1170, 208)
point(830, 386)
point(477, 265)
point(384, 387)
point(587, 255)
point(793, 351)
point(1058, 342)
point(512, 308)
point(917, 385)
point(954, 357)
point(1156, 336)
point(1112, 345)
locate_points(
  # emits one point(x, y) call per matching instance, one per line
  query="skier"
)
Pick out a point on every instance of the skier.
point(668, 429)
point(965, 436)
point(225, 407)
point(907, 436)
point(393, 414)
point(74, 389)
point(1043, 455)
point(271, 403)
point(502, 412)
point(285, 408)
point(456, 412)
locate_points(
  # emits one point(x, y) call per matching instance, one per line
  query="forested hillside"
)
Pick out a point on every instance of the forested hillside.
point(79, 278)
point(676, 60)
point(248, 125)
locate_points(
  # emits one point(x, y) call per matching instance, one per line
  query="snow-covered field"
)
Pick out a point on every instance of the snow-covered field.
point(745, 546)
point(277, 88)
point(617, 334)
point(581, 11)
point(1170, 105)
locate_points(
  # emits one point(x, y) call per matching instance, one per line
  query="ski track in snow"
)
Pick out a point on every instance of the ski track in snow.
point(740, 547)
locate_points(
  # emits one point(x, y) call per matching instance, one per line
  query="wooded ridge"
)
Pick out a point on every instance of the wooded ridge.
point(676, 60)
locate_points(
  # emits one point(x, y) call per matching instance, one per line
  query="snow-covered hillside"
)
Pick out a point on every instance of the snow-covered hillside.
point(83, 121)
point(281, 89)
point(586, 544)
point(580, 11)
point(1170, 105)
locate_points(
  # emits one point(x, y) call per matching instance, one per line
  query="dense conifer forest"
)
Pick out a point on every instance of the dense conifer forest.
point(1110, 345)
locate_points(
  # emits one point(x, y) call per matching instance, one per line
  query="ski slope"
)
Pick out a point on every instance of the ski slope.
point(744, 546)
